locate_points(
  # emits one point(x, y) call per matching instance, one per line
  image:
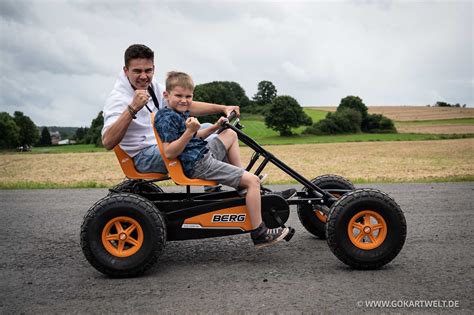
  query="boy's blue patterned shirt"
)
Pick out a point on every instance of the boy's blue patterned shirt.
point(170, 125)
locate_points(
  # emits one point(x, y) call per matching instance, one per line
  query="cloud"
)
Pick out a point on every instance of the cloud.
point(59, 51)
point(64, 56)
point(15, 95)
point(17, 11)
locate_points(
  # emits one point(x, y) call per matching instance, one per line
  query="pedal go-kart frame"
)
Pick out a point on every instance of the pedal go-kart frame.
point(124, 233)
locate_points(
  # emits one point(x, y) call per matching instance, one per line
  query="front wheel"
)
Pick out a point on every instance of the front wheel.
point(366, 229)
point(313, 220)
point(123, 235)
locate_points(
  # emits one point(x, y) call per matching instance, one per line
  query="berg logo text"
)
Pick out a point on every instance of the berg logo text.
point(228, 218)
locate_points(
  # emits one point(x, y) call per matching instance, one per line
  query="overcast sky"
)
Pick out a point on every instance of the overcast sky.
point(60, 59)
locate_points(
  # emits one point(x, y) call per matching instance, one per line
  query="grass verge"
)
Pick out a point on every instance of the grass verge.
point(50, 185)
point(91, 184)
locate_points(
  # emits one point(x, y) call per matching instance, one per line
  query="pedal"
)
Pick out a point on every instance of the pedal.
point(290, 234)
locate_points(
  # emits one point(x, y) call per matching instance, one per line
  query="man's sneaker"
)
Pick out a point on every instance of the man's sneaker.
point(270, 236)
point(285, 194)
point(213, 189)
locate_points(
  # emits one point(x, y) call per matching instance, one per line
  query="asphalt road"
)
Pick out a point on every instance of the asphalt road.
point(43, 269)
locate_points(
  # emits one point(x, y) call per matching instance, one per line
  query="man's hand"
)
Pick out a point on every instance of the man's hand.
point(192, 124)
point(140, 98)
point(229, 109)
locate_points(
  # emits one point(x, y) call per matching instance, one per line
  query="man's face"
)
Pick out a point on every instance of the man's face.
point(179, 98)
point(140, 73)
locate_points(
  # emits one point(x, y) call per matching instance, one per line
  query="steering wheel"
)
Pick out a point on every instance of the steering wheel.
point(230, 118)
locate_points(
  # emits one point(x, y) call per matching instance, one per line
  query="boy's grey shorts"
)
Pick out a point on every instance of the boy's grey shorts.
point(215, 166)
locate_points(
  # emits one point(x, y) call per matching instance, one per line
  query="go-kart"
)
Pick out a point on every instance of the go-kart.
point(124, 233)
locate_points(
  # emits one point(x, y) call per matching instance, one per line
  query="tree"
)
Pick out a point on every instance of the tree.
point(352, 116)
point(29, 134)
point(354, 102)
point(80, 134)
point(285, 113)
point(221, 92)
point(94, 135)
point(261, 101)
point(9, 132)
point(45, 138)
point(376, 123)
point(442, 104)
point(342, 121)
point(266, 92)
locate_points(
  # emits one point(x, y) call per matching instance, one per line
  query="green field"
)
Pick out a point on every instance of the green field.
point(256, 129)
point(255, 125)
point(76, 148)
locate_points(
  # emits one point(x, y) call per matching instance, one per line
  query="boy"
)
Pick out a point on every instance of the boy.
point(182, 138)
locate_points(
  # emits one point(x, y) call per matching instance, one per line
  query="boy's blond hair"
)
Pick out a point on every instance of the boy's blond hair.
point(181, 79)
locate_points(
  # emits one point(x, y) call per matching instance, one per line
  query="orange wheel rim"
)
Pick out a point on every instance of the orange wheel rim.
point(122, 236)
point(367, 230)
point(321, 216)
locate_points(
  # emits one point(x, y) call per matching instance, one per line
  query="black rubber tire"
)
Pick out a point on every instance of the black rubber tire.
point(135, 186)
point(346, 208)
point(137, 208)
point(307, 214)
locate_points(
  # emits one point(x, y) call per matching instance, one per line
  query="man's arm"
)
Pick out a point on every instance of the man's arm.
point(202, 109)
point(115, 133)
point(175, 148)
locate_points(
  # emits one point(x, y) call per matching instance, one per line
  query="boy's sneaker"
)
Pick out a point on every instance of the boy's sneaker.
point(264, 236)
point(263, 178)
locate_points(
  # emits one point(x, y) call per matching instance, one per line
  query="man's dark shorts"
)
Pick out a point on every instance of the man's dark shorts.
point(149, 160)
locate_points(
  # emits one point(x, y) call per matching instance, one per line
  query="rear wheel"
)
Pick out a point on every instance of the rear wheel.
point(136, 187)
point(123, 235)
point(310, 217)
point(366, 229)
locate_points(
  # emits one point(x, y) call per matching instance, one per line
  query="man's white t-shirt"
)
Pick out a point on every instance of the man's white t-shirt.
point(140, 133)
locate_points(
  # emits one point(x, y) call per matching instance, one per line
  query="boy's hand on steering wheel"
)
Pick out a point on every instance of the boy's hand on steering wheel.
point(221, 121)
point(192, 124)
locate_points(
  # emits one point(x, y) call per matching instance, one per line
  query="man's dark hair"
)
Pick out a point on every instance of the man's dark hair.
point(138, 51)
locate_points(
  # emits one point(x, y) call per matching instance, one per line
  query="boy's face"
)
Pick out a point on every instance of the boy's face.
point(179, 98)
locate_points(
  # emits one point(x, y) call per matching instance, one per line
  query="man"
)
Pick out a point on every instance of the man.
point(125, 122)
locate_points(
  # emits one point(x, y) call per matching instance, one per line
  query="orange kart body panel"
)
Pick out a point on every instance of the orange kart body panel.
point(228, 218)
